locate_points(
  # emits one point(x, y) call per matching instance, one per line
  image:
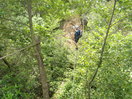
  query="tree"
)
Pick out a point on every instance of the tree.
point(35, 39)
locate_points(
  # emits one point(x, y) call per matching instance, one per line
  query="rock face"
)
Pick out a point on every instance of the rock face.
point(69, 24)
point(69, 29)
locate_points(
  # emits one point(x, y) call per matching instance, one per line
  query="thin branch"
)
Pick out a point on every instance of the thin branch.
point(15, 21)
point(6, 62)
point(102, 50)
point(10, 29)
point(19, 50)
point(118, 21)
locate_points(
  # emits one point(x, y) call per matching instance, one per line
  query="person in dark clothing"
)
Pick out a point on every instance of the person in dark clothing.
point(77, 35)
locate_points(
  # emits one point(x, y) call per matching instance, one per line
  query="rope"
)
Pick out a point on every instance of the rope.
point(74, 70)
point(75, 63)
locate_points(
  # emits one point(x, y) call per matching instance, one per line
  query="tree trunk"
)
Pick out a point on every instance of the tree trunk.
point(38, 54)
point(42, 70)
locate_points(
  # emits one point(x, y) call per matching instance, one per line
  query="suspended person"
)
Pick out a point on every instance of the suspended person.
point(77, 34)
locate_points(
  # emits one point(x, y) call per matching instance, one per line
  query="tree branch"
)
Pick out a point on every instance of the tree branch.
point(6, 62)
point(118, 21)
point(15, 21)
point(102, 51)
point(19, 50)
point(10, 29)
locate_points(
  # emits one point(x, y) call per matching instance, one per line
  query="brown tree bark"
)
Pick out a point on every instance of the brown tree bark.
point(37, 49)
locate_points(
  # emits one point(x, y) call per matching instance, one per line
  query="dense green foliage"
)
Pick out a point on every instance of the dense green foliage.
point(68, 71)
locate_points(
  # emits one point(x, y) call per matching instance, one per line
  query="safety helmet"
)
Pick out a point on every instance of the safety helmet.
point(76, 27)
